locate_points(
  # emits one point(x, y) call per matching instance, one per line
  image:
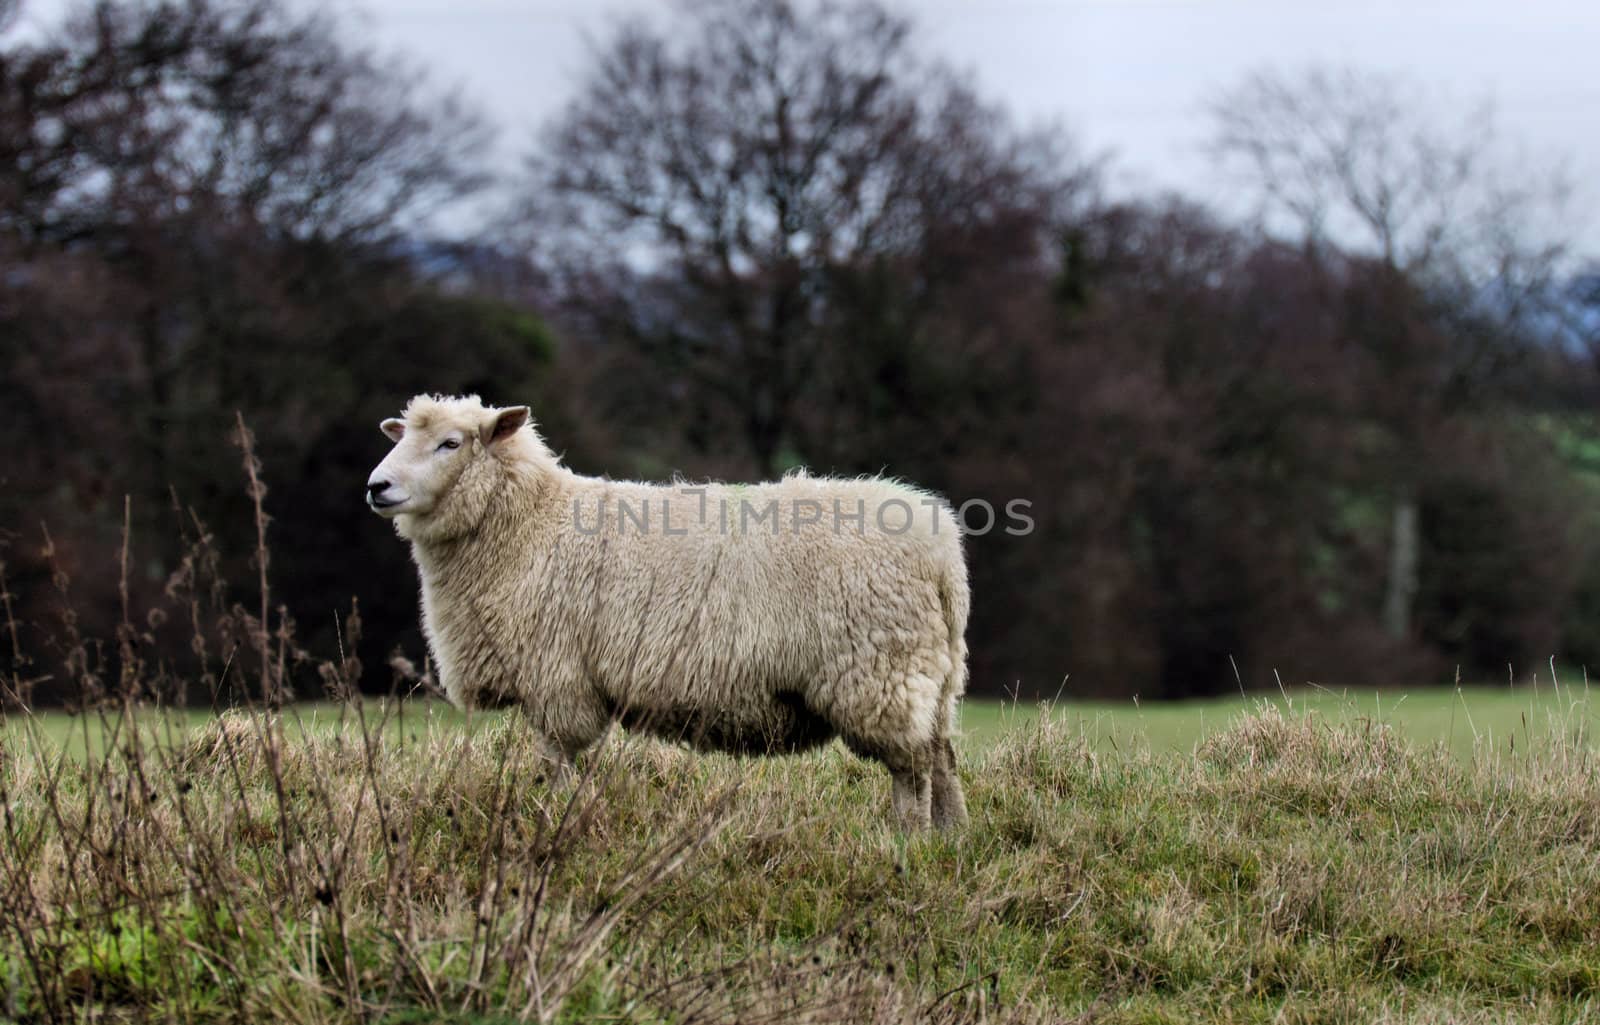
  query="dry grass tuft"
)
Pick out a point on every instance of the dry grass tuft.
point(1271, 741)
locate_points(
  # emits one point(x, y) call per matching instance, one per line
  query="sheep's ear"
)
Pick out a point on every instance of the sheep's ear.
point(395, 429)
point(503, 424)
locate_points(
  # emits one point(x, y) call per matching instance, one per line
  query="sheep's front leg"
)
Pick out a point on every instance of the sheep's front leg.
point(555, 762)
point(559, 739)
point(553, 757)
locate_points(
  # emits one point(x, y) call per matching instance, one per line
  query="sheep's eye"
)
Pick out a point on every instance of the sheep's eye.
point(448, 443)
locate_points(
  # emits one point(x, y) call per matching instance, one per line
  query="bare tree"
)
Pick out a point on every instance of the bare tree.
point(192, 147)
point(725, 169)
point(1366, 166)
point(1372, 164)
point(245, 111)
point(209, 206)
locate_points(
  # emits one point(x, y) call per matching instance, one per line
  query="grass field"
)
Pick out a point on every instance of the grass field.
point(1326, 860)
point(1465, 721)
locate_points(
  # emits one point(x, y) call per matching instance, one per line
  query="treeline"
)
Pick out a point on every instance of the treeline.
point(1354, 442)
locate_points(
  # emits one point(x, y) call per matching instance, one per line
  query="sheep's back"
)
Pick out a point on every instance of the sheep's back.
point(698, 604)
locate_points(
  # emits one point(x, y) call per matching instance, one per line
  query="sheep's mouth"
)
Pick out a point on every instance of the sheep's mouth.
point(378, 505)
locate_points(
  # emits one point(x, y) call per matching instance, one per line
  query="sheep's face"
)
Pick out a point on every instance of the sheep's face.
point(437, 479)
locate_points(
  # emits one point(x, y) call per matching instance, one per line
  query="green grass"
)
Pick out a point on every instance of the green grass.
point(1464, 721)
point(1181, 863)
point(170, 727)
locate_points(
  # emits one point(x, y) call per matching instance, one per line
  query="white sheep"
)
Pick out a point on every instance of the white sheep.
point(751, 618)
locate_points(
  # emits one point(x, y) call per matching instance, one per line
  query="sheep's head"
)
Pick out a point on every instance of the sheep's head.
point(448, 459)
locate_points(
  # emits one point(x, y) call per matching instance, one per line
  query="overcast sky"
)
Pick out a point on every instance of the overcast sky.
point(1126, 76)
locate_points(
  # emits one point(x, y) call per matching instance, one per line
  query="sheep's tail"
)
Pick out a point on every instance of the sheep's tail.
point(956, 598)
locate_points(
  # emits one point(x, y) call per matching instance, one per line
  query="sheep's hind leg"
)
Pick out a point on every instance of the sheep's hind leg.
point(912, 795)
point(912, 778)
point(949, 804)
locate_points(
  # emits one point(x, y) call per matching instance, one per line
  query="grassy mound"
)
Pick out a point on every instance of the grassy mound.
point(1290, 869)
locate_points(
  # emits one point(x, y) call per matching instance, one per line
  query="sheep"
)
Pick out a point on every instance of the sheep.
point(759, 619)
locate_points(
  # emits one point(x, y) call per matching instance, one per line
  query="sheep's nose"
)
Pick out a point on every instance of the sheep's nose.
point(377, 487)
